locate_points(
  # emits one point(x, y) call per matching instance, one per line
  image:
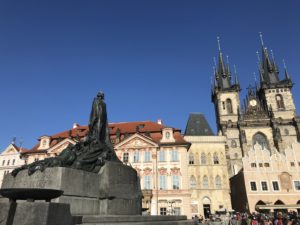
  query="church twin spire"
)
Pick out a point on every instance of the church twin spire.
point(269, 73)
point(222, 73)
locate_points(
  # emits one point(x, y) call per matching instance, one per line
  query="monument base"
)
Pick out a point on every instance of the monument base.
point(136, 220)
point(35, 213)
point(114, 190)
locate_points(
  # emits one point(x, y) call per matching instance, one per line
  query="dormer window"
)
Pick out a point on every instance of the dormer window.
point(167, 135)
point(44, 143)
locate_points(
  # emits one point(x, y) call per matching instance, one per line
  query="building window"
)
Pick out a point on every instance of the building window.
point(125, 157)
point(297, 185)
point(253, 186)
point(177, 211)
point(260, 164)
point(191, 159)
point(279, 101)
point(218, 182)
point(264, 186)
point(36, 159)
point(3, 162)
point(147, 182)
point(163, 211)
point(193, 182)
point(8, 161)
point(205, 182)
point(168, 135)
point(267, 164)
point(275, 185)
point(161, 156)
point(216, 158)
point(13, 162)
point(253, 165)
point(292, 164)
point(136, 156)
point(203, 158)
point(233, 144)
point(162, 182)
point(147, 156)
point(229, 106)
point(176, 182)
point(286, 131)
point(174, 155)
point(260, 139)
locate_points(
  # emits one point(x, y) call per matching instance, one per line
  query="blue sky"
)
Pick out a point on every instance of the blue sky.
point(152, 58)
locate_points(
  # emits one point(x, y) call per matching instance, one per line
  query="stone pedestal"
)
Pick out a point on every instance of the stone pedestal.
point(35, 213)
point(115, 190)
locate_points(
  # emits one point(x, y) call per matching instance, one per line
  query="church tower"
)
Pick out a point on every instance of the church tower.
point(276, 95)
point(225, 96)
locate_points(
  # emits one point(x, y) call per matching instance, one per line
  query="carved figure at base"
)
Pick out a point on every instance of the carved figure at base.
point(89, 154)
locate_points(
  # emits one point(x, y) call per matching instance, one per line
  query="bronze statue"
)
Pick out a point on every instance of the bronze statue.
point(89, 154)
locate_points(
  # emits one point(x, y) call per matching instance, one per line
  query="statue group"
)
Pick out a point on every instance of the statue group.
point(89, 154)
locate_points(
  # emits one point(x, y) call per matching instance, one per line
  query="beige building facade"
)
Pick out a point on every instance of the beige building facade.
point(10, 159)
point(269, 181)
point(207, 169)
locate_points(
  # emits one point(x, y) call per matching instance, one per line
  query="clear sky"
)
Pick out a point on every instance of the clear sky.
point(152, 58)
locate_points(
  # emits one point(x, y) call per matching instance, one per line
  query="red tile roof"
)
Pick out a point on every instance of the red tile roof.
point(148, 128)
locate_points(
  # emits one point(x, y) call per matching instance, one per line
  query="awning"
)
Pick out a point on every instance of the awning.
point(296, 206)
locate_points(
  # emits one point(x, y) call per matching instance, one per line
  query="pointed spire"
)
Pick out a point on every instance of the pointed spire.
point(261, 39)
point(255, 79)
point(235, 75)
point(274, 63)
point(268, 68)
point(286, 73)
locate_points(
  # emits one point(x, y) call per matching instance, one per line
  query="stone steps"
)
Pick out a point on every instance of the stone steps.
point(135, 220)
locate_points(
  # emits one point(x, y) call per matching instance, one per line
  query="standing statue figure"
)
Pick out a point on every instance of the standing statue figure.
point(98, 125)
point(89, 154)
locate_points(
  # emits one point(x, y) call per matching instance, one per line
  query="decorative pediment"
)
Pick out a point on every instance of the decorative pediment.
point(59, 147)
point(136, 141)
point(10, 149)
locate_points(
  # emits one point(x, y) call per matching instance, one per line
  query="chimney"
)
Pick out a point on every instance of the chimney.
point(75, 125)
point(159, 121)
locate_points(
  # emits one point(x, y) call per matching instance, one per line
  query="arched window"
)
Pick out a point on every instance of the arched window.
point(203, 158)
point(193, 182)
point(229, 106)
point(205, 182)
point(279, 100)
point(260, 139)
point(191, 159)
point(216, 158)
point(218, 182)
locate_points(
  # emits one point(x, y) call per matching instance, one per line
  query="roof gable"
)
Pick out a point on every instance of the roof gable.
point(61, 145)
point(136, 141)
point(10, 149)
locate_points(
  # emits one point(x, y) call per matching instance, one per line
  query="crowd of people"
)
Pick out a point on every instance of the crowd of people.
point(279, 218)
